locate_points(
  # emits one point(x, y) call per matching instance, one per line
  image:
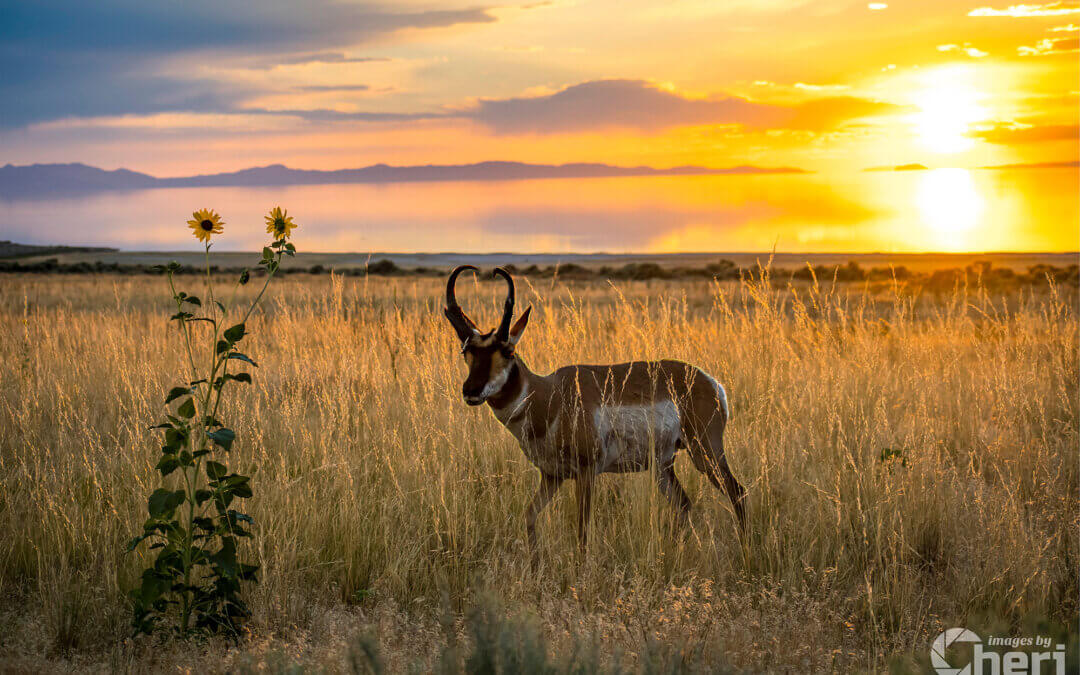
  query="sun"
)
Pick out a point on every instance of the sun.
point(948, 103)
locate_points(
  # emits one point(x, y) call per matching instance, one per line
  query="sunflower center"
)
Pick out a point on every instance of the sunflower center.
point(207, 225)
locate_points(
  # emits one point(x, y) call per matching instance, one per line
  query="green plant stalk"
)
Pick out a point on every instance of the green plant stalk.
point(225, 360)
point(191, 480)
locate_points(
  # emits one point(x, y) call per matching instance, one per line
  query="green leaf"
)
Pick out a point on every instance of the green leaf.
point(243, 357)
point(215, 470)
point(175, 439)
point(167, 465)
point(134, 543)
point(163, 502)
point(245, 276)
point(241, 517)
point(238, 485)
point(234, 333)
point(187, 409)
point(222, 346)
point(267, 253)
point(191, 299)
point(242, 377)
point(223, 437)
point(225, 559)
point(177, 392)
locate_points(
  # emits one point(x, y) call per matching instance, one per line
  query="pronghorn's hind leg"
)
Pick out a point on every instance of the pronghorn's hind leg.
point(584, 483)
point(669, 485)
point(707, 453)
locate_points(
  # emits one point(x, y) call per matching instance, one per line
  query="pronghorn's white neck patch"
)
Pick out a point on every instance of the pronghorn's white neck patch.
point(511, 410)
point(495, 384)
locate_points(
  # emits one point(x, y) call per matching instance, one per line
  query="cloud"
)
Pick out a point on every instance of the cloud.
point(1051, 46)
point(70, 58)
point(631, 104)
point(829, 113)
point(327, 115)
point(966, 48)
point(642, 106)
point(1016, 134)
point(275, 61)
point(1027, 11)
point(335, 87)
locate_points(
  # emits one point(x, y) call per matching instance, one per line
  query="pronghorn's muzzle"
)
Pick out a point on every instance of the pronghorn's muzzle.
point(473, 396)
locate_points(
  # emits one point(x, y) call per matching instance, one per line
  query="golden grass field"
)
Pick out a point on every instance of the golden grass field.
point(911, 462)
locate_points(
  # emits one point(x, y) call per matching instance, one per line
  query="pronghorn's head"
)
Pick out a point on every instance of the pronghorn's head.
point(490, 356)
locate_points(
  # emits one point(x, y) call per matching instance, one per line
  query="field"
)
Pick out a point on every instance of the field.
point(911, 460)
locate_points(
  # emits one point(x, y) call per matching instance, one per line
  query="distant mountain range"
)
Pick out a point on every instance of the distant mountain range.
point(59, 179)
point(1066, 164)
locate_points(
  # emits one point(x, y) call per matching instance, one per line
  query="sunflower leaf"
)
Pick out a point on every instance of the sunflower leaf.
point(177, 392)
point(243, 357)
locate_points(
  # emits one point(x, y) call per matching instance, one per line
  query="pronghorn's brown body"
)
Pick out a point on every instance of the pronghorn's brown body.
point(584, 420)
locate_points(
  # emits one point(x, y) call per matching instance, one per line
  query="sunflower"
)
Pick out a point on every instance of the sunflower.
point(279, 223)
point(204, 223)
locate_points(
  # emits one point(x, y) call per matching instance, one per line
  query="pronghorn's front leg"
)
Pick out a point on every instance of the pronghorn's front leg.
point(549, 485)
point(584, 483)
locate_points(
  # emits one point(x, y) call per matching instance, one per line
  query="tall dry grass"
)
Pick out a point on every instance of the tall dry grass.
point(911, 465)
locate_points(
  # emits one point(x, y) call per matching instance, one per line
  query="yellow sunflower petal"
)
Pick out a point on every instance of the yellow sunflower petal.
point(206, 222)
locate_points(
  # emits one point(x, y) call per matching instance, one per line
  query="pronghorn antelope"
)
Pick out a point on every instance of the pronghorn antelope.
point(584, 420)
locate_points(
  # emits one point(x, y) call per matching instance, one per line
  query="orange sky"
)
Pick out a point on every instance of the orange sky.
point(824, 86)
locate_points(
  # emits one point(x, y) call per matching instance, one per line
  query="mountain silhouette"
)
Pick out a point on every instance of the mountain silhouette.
point(65, 179)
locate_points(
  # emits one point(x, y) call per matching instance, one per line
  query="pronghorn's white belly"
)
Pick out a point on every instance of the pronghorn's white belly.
point(629, 435)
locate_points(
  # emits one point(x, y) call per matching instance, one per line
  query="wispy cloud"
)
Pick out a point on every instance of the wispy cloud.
point(1023, 11)
point(334, 87)
point(1016, 134)
point(304, 59)
point(966, 48)
point(643, 106)
point(1051, 46)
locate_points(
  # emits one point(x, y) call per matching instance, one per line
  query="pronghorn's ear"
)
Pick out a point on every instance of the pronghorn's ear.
point(519, 326)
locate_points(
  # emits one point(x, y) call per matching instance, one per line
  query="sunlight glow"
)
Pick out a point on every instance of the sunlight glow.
point(948, 104)
point(950, 206)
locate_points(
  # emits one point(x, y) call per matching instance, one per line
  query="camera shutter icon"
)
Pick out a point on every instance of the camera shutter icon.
point(943, 642)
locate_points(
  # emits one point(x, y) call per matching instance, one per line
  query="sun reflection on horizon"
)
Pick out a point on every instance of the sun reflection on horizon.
point(950, 207)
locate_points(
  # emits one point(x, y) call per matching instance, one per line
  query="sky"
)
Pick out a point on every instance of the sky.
point(203, 86)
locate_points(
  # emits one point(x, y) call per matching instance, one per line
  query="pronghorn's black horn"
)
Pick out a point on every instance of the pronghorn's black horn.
point(464, 326)
point(503, 334)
